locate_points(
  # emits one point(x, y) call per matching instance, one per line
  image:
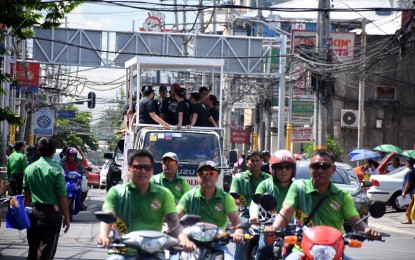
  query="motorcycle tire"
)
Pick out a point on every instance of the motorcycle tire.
point(71, 205)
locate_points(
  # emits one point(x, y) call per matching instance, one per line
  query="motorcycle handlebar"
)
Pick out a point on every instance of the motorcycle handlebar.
point(361, 236)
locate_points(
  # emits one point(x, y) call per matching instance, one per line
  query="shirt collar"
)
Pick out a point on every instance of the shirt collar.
point(198, 192)
point(310, 187)
point(151, 189)
point(163, 176)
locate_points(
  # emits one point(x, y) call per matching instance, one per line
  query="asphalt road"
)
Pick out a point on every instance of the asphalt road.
point(80, 241)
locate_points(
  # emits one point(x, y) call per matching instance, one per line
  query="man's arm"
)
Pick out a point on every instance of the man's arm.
point(212, 121)
point(156, 118)
point(180, 120)
point(362, 226)
point(104, 229)
point(27, 199)
point(194, 119)
point(63, 203)
point(177, 231)
point(238, 236)
point(283, 217)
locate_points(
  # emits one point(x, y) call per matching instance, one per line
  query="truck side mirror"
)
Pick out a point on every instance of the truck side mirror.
point(108, 156)
point(233, 156)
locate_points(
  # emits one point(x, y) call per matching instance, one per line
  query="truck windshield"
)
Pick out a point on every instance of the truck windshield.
point(189, 147)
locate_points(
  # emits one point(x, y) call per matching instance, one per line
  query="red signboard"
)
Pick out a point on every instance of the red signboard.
point(240, 136)
point(302, 135)
point(27, 74)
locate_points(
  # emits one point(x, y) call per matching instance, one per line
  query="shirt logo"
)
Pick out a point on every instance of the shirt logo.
point(155, 204)
point(218, 207)
point(179, 187)
point(335, 205)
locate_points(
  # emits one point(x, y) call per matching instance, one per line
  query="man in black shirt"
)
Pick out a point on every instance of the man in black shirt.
point(148, 109)
point(200, 115)
point(212, 106)
point(168, 108)
point(183, 108)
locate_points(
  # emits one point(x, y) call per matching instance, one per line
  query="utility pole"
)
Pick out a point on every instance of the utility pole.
point(281, 93)
point(201, 17)
point(176, 16)
point(260, 32)
point(5, 130)
point(322, 97)
point(361, 115)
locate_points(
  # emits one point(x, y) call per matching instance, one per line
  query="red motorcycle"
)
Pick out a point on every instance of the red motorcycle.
point(324, 242)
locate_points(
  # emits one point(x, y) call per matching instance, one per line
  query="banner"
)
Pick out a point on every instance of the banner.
point(240, 136)
point(44, 122)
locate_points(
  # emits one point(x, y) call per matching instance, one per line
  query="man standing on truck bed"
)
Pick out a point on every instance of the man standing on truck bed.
point(169, 178)
point(168, 107)
point(148, 109)
point(200, 115)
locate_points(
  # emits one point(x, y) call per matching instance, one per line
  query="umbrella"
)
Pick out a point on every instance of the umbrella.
point(365, 156)
point(388, 148)
point(357, 151)
point(409, 153)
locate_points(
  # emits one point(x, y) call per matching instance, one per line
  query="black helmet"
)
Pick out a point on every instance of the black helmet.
point(147, 90)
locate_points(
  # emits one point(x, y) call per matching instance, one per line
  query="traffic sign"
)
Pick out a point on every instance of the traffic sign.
point(301, 120)
point(66, 114)
point(44, 122)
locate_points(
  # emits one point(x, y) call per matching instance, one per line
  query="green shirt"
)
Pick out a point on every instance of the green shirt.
point(178, 186)
point(245, 184)
point(337, 207)
point(137, 211)
point(45, 181)
point(16, 164)
point(274, 188)
point(213, 211)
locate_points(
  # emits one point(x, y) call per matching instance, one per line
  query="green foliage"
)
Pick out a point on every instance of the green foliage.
point(69, 130)
point(22, 15)
point(332, 145)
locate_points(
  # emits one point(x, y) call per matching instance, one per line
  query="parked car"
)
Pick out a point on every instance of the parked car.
point(103, 174)
point(344, 178)
point(383, 165)
point(387, 188)
point(94, 176)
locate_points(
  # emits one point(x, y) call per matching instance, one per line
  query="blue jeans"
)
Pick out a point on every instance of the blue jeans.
point(239, 251)
point(263, 251)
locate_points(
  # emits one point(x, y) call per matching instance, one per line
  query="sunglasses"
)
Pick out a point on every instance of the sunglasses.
point(281, 167)
point(206, 173)
point(169, 163)
point(317, 165)
point(145, 167)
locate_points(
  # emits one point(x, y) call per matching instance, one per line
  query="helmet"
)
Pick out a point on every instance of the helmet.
point(283, 156)
point(71, 151)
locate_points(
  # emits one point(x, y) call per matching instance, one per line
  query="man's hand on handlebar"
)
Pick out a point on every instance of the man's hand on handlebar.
point(188, 245)
point(238, 236)
point(104, 241)
point(370, 232)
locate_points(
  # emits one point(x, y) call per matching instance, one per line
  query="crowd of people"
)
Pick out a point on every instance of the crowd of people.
point(173, 108)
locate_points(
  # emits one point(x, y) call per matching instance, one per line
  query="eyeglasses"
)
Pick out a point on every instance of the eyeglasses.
point(318, 165)
point(145, 167)
point(206, 173)
point(169, 163)
point(281, 167)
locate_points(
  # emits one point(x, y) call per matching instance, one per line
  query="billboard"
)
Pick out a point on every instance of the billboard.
point(27, 74)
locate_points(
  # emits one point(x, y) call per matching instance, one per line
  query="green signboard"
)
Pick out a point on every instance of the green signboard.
point(299, 108)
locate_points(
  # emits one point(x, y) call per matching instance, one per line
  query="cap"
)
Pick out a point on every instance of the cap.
point(208, 163)
point(181, 92)
point(175, 86)
point(162, 87)
point(171, 156)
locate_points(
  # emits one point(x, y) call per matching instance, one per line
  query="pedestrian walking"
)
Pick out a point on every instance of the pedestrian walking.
point(408, 188)
point(16, 164)
point(45, 191)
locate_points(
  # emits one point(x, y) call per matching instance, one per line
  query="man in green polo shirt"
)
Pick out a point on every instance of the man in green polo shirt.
point(16, 164)
point(140, 205)
point(45, 191)
point(169, 178)
point(212, 204)
point(245, 184)
point(304, 195)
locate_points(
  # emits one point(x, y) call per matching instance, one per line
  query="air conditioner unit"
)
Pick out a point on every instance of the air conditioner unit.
point(349, 118)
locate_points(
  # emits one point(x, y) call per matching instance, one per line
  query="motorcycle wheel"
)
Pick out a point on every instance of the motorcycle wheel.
point(71, 204)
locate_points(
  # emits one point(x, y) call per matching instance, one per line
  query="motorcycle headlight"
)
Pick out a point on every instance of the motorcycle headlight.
point(321, 252)
point(205, 235)
point(72, 175)
point(151, 245)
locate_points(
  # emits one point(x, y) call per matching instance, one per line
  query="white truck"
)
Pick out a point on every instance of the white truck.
point(192, 145)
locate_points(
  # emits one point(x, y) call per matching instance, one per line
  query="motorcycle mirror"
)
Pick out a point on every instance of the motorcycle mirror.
point(366, 184)
point(189, 219)
point(244, 225)
point(104, 216)
point(256, 198)
point(108, 155)
point(233, 156)
point(234, 195)
point(377, 209)
point(268, 202)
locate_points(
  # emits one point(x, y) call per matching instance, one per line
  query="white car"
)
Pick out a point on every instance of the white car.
point(387, 188)
point(103, 175)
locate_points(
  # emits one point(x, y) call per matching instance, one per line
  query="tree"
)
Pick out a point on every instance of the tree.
point(332, 145)
point(22, 15)
point(76, 131)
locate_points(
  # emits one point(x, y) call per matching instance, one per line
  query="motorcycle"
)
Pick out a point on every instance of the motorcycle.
point(73, 182)
point(324, 242)
point(148, 243)
point(206, 236)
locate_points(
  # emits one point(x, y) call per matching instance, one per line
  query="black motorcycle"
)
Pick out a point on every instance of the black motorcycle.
point(114, 175)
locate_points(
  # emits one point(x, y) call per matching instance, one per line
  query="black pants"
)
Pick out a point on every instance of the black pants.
point(16, 183)
point(43, 235)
